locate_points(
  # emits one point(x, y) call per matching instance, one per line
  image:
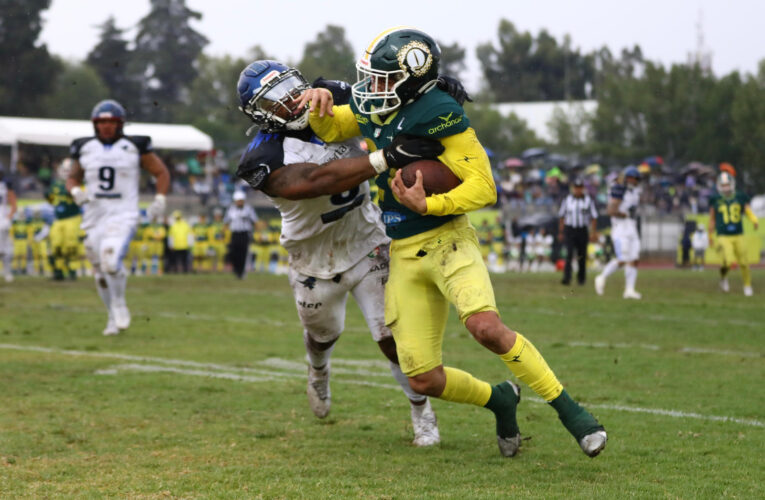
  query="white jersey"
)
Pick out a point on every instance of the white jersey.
point(5, 208)
point(629, 200)
point(327, 235)
point(112, 174)
point(543, 244)
point(699, 240)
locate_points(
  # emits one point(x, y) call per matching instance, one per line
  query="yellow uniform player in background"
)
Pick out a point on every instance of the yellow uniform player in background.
point(726, 210)
point(156, 234)
point(39, 244)
point(200, 252)
point(219, 239)
point(65, 230)
point(20, 233)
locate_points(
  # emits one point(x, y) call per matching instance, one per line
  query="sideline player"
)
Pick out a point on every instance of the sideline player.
point(65, 230)
point(108, 163)
point(7, 211)
point(435, 258)
point(336, 244)
point(622, 207)
point(725, 209)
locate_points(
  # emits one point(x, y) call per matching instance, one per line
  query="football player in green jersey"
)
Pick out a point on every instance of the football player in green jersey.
point(726, 208)
point(65, 230)
point(435, 257)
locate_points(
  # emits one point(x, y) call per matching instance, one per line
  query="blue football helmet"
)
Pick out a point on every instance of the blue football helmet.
point(108, 109)
point(268, 91)
point(632, 172)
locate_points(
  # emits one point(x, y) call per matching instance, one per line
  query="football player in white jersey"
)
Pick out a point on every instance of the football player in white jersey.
point(336, 244)
point(109, 164)
point(623, 201)
point(7, 211)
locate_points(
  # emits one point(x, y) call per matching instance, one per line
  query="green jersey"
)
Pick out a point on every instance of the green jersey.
point(435, 115)
point(63, 204)
point(728, 213)
point(201, 232)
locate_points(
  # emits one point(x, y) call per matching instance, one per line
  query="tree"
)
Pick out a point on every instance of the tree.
point(748, 118)
point(527, 68)
point(452, 59)
point(78, 88)
point(505, 135)
point(214, 103)
point(166, 50)
point(113, 62)
point(330, 56)
point(28, 70)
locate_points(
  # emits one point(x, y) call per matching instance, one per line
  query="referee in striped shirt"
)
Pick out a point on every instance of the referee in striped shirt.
point(576, 213)
point(240, 219)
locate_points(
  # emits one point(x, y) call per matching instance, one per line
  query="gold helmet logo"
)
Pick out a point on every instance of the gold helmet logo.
point(415, 58)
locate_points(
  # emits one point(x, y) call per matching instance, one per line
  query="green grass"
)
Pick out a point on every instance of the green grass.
point(94, 423)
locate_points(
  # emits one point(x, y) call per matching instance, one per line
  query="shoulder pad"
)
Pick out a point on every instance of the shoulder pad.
point(617, 191)
point(263, 155)
point(142, 142)
point(341, 91)
point(440, 115)
point(74, 148)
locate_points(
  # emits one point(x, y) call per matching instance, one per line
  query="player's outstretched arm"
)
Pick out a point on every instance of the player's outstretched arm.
point(156, 167)
point(309, 180)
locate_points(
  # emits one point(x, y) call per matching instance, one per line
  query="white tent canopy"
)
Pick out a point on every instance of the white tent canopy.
point(52, 132)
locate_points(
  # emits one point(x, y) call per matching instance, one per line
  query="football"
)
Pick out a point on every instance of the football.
point(437, 178)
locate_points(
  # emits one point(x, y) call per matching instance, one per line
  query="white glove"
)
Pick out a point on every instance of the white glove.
point(79, 195)
point(157, 207)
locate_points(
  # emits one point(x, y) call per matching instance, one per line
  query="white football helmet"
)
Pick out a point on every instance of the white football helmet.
point(726, 184)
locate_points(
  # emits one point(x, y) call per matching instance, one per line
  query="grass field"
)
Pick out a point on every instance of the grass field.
point(204, 396)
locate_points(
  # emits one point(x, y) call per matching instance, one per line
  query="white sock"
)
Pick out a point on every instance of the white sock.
point(103, 291)
point(315, 357)
point(630, 277)
point(403, 381)
point(117, 284)
point(612, 266)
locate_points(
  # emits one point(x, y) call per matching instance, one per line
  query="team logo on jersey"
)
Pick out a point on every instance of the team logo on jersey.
point(416, 57)
point(363, 120)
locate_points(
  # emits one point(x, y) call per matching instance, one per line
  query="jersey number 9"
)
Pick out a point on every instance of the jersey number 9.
point(106, 178)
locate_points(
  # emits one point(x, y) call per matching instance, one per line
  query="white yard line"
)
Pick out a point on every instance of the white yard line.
point(229, 372)
point(652, 347)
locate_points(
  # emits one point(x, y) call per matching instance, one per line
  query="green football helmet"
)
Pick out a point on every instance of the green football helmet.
point(398, 67)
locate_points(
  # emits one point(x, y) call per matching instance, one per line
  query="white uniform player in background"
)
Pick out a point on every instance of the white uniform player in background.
point(623, 202)
point(337, 244)
point(7, 211)
point(109, 164)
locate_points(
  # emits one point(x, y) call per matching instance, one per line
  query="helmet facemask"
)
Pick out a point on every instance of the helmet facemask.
point(726, 185)
point(273, 107)
point(375, 90)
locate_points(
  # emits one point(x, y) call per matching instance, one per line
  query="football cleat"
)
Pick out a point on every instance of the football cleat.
point(594, 443)
point(632, 294)
point(111, 328)
point(509, 445)
point(600, 284)
point(121, 317)
point(425, 425)
point(748, 291)
point(724, 286)
point(319, 395)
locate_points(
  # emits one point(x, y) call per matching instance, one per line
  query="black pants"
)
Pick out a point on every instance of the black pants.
point(240, 242)
point(576, 239)
point(179, 261)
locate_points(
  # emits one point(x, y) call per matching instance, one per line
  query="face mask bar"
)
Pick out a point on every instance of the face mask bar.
point(375, 91)
point(274, 104)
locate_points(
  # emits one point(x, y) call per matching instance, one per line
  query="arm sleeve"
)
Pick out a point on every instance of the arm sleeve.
point(142, 142)
point(336, 128)
point(465, 156)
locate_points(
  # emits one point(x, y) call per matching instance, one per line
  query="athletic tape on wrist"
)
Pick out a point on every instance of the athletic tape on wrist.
point(377, 160)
